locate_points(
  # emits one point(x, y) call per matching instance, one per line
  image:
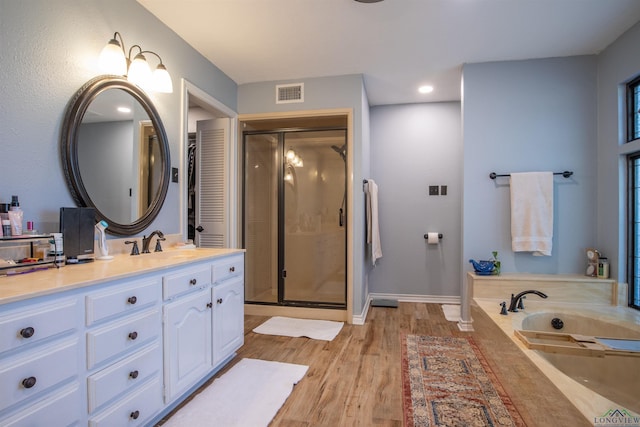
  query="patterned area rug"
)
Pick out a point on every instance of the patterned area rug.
point(446, 381)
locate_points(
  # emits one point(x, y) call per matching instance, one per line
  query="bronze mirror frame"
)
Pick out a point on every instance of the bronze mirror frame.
point(75, 112)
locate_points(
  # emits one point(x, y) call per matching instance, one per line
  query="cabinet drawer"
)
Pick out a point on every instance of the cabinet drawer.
point(65, 407)
point(35, 323)
point(123, 376)
point(228, 268)
point(134, 409)
point(43, 368)
point(120, 337)
point(123, 299)
point(185, 280)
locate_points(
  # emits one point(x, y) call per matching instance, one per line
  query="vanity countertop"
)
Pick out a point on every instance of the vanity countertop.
point(53, 280)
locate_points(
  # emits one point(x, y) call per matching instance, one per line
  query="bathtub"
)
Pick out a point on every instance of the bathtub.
point(594, 385)
point(617, 378)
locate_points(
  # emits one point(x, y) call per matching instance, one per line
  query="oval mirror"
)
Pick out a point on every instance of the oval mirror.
point(115, 154)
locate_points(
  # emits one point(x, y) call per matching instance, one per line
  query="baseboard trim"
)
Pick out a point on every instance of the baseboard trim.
point(428, 299)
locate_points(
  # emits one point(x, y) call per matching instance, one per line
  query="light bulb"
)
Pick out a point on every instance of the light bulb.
point(291, 154)
point(139, 72)
point(112, 60)
point(162, 80)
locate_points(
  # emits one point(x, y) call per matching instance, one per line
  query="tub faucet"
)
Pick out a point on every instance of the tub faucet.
point(513, 306)
point(146, 241)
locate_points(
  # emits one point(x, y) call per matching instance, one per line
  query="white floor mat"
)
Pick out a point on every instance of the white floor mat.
point(248, 395)
point(290, 327)
point(451, 312)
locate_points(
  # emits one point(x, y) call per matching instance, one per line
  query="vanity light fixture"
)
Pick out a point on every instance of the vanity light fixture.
point(114, 60)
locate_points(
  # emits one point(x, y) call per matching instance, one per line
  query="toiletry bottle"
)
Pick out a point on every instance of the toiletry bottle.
point(15, 217)
point(603, 268)
point(4, 216)
point(56, 250)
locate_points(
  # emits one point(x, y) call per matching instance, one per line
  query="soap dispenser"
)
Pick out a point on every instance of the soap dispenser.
point(15, 217)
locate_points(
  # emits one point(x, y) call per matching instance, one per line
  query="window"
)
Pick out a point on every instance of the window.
point(633, 110)
point(633, 197)
point(633, 167)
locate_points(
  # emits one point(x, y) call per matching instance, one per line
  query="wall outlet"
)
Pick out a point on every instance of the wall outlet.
point(433, 190)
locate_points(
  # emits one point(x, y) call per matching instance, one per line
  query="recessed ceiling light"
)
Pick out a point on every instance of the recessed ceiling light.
point(124, 109)
point(425, 89)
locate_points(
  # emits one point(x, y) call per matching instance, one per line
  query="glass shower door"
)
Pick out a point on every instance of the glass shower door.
point(314, 215)
point(261, 217)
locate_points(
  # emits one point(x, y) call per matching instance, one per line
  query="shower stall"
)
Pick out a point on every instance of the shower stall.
point(294, 217)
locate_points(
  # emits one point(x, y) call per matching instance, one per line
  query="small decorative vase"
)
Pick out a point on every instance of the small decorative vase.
point(483, 267)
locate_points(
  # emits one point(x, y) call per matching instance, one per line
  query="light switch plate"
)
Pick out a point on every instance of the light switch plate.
point(174, 174)
point(433, 190)
point(443, 190)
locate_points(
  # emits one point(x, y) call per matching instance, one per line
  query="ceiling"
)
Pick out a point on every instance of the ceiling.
point(397, 45)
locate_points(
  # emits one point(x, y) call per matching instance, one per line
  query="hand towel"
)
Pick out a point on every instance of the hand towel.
point(532, 212)
point(373, 231)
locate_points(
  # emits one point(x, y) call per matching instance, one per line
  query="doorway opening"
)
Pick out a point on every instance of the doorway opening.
point(209, 170)
point(294, 213)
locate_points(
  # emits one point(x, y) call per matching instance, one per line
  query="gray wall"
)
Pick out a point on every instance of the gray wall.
point(49, 49)
point(536, 115)
point(618, 64)
point(414, 146)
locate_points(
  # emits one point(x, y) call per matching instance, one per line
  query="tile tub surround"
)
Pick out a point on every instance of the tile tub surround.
point(53, 280)
point(571, 289)
point(588, 402)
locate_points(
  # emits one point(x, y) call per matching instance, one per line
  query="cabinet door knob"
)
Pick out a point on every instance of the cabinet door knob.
point(209, 305)
point(193, 281)
point(232, 269)
point(132, 300)
point(29, 382)
point(135, 415)
point(219, 300)
point(133, 374)
point(133, 335)
point(27, 332)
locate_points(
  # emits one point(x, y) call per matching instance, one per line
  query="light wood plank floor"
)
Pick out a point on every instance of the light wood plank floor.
point(355, 379)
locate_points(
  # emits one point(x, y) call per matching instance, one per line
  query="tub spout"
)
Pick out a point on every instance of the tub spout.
point(513, 306)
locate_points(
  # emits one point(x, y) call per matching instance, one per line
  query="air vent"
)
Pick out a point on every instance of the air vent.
point(286, 94)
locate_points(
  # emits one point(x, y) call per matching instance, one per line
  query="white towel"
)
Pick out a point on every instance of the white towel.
point(532, 212)
point(373, 231)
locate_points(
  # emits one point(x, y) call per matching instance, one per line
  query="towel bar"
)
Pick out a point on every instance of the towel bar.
point(565, 174)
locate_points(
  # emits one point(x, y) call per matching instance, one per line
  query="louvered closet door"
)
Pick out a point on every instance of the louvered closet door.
point(211, 183)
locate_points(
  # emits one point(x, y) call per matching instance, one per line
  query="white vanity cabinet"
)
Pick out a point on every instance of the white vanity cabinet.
point(228, 307)
point(187, 342)
point(204, 325)
point(124, 352)
point(118, 343)
point(40, 363)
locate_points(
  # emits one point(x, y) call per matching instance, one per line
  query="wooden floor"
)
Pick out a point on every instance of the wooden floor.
point(355, 379)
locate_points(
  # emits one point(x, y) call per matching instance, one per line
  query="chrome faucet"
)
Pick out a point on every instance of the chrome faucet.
point(146, 241)
point(516, 301)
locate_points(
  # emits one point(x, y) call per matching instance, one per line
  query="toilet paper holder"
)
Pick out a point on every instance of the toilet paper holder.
point(426, 236)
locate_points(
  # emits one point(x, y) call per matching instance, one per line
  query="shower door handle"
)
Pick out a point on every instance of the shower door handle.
point(199, 229)
point(341, 220)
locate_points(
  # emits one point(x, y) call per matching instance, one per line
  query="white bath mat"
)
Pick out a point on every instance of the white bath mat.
point(290, 327)
point(451, 312)
point(249, 395)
